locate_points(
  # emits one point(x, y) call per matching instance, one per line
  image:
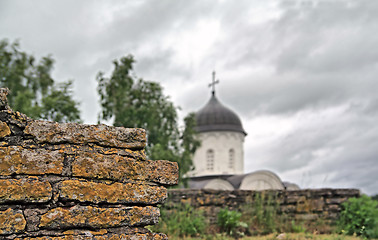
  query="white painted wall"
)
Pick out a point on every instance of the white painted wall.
point(220, 142)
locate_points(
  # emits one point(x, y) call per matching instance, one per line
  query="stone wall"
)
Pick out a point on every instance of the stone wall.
point(309, 204)
point(75, 181)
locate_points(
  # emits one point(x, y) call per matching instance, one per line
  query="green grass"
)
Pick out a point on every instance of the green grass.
point(276, 236)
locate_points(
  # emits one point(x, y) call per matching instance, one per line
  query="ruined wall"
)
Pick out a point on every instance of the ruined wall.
point(75, 181)
point(309, 204)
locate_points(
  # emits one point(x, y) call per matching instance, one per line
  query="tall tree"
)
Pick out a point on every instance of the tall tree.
point(132, 102)
point(32, 89)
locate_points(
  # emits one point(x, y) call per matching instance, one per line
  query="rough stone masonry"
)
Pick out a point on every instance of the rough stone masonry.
point(76, 181)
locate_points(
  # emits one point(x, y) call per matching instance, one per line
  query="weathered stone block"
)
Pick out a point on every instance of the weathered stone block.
point(305, 205)
point(288, 208)
point(3, 98)
point(119, 168)
point(317, 205)
point(25, 190)
point(90, 235)
point(4, 130)
point(94, 217)
point(347, 192)
point(86, 191)
point(15, 118)
point(52, 132)
point(292, 199)
point(336, 200)
point(11, 221)
point(18, 160)
point(333, 208)
point(306, 217)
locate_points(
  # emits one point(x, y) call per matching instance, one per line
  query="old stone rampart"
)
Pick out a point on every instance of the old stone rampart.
point(308, 204)
point(76, 181)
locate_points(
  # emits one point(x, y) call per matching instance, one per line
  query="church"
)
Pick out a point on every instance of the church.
point(219, 161)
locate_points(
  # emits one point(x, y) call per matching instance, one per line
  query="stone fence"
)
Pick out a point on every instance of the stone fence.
point(75, 181)
point(309, 204)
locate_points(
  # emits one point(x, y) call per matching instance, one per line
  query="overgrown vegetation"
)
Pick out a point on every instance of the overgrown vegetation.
point(359, 217)
point(229, 222)
point(285, 236)
point(261, 217)
point(181, 221)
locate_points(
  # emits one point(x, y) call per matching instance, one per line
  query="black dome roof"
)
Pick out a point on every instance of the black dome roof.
point(216, 117)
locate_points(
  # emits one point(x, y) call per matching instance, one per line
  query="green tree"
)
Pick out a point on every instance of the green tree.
point(32, 89)
point(132, 102)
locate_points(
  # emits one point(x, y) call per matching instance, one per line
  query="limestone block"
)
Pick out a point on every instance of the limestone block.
point(334, 208)
point(288, 208)
point(95, 217)
point(347, 192)
point(11, 221)
point(4, 130)
point(317, 205)
point(52, 132)
point(18, 160)
point(88, 235)
point(336, 200)
point(87, 191)
point(72, 149)
point(3, 98)
point(25, 190)
point(308, 216)
point(290, 199)
point(15, 118)
point(119, 168)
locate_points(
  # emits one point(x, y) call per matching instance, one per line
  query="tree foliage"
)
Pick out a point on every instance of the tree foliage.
point(32, 89)
point(132, 102)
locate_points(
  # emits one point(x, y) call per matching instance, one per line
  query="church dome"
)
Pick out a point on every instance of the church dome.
point(214, 116)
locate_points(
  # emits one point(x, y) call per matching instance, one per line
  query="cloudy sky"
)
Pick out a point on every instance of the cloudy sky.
point(301, 74)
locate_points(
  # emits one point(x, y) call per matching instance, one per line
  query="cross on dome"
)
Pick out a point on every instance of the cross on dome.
point(212, 84)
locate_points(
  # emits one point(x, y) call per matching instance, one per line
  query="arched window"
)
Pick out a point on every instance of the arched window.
point(210, 159)
point(231, 158)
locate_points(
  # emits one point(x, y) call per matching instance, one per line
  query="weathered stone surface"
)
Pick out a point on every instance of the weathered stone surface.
point(25, 190)
point(52, 132)
point(307, 204)
point(307, 216)
point(336, 200)
point(17, 160)
point(4, 130)
point(89, 235)
point(86, 191)
point(94, 217)
point(72, 149)
point(15, 118)
point(347, 192)
point(49, 170)
point(33, 216)
point(3, 98)
point(11, 221)
point(119, 168)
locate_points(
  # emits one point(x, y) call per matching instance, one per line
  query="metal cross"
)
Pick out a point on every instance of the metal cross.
point(212, 84)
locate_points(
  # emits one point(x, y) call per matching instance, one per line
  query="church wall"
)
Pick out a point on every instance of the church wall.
point(76, 181)
point(220, 142)
point(308, 205)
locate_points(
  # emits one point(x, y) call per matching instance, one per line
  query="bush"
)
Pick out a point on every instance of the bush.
point(181, 221)
point(359, 216)
point(229, 222)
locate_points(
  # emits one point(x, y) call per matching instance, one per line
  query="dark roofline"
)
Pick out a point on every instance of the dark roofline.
point(211, 128)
